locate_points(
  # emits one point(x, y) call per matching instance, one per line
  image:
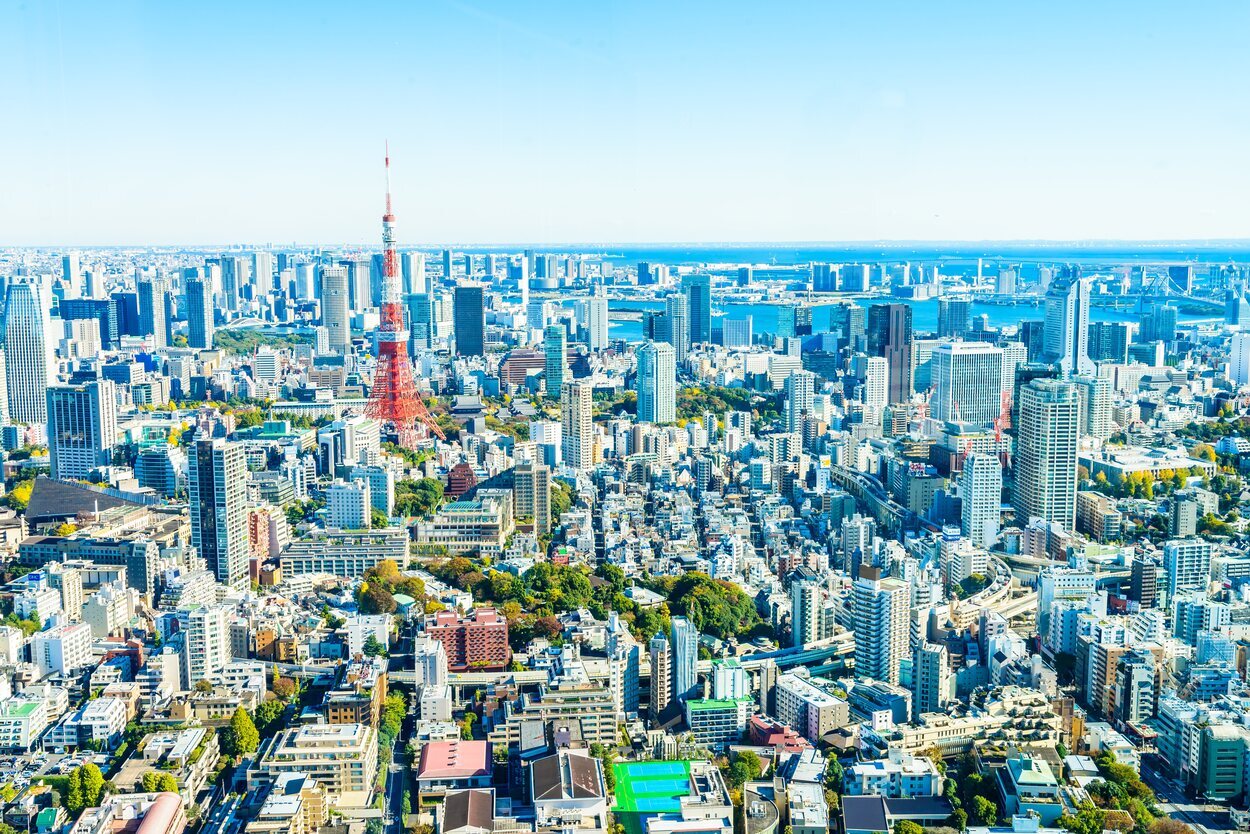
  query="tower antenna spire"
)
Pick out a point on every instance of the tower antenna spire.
point(394, 400)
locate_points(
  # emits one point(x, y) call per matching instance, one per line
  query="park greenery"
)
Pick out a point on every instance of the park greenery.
point(418, 498)
point(243, 341)
point(380, 584)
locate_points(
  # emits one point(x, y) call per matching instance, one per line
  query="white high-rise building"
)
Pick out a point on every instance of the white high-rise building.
point(677, 324)
point(27, 353)
point(217, 492)
point(729, 679)
point(262, 274)
point(1094, 393)
point(1186, 565)
point(657, 383)
point(577, 427)
point(967, 379)
point(1239, 359)
point(349, 505)
point(882, 624)
point(335, 309)
point(806, 607)
point(685, 639)
point(874, 373)
point(661, 656)
point(933, 685)
point(980, 494)
point(800, 390)
point(205, 633)
point(1046, 445)
point(153, 311)
point(1065, 339)
point(594, 318)
point(82, 428)
point(63, 649)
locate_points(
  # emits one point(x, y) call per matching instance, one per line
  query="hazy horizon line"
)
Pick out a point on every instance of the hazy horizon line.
point(1211, 243)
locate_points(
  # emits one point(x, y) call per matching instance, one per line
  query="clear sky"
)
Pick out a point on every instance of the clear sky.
point(598, 122)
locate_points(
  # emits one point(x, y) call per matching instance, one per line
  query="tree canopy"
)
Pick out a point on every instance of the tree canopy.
point(241, 736)
point(713, 606)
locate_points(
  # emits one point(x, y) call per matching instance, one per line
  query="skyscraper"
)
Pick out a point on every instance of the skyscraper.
point(933, 685)
point(577, 425)
point(420, 322)
point(595, 320)
point(413, 264)
point(967, 380)
point(800, 392)
point(233, 274)
point(1066, 337)
point(82, 427)
point(882, 624)
point(152, 309)
point(27, 354)
point(335, 309)
point(953, 317)
point(661, 673)
point(262, 274)
point(1094, 393)
point(470, 320)
point(685, 658)
point(677, 325)
point(1108, 341)
point(805, 608)
point(200, 325)
point(217, 492)
point(1046, 446)
point(981, 496)
point(556, 366)
point(532, 494)
point(698, 289)
point(889, 336)
point(71, 271)
point(657, 383)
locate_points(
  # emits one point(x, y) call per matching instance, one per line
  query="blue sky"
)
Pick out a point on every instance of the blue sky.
point(590, 122)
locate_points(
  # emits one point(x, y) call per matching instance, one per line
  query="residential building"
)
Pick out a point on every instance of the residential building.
point(1046, 459)
point(475, 642)
point(217, 490)
point(82, 428)
point(342, 757)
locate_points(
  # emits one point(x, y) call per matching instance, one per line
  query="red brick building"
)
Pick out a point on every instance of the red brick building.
point(460, 480)
point(475, 643)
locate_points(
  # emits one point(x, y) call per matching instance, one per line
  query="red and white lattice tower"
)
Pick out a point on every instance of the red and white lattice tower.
point(393, 400)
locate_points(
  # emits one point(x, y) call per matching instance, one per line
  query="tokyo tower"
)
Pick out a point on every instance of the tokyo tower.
point(393, 400)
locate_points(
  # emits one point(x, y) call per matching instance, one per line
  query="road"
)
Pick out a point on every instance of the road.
point(1204, 818)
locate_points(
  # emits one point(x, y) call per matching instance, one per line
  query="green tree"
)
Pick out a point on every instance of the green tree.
point(74, 797)
point(1088, 820)
point(203, 685)
point(958, 819)
point(19, 496)
point(285, 689)
point(92, 784)
point(466, 726)
point(984, 811)
point(373, 647)
point(241, 736)
point(907, 827)
point(268, 713)
point(374, 599)
point(155, 780)
point(418, 498)
point(378, 518)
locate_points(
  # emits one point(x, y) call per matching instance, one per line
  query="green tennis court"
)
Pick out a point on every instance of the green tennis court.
point(644, 789)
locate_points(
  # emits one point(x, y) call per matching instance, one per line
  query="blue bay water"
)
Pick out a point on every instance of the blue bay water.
point(924, 315)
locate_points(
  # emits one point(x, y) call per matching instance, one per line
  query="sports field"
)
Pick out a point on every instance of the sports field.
point(644, 789)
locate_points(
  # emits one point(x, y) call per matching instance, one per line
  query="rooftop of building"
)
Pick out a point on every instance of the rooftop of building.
point(454, 760)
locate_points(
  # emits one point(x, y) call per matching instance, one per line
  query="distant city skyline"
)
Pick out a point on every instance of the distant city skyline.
point(608, 124)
